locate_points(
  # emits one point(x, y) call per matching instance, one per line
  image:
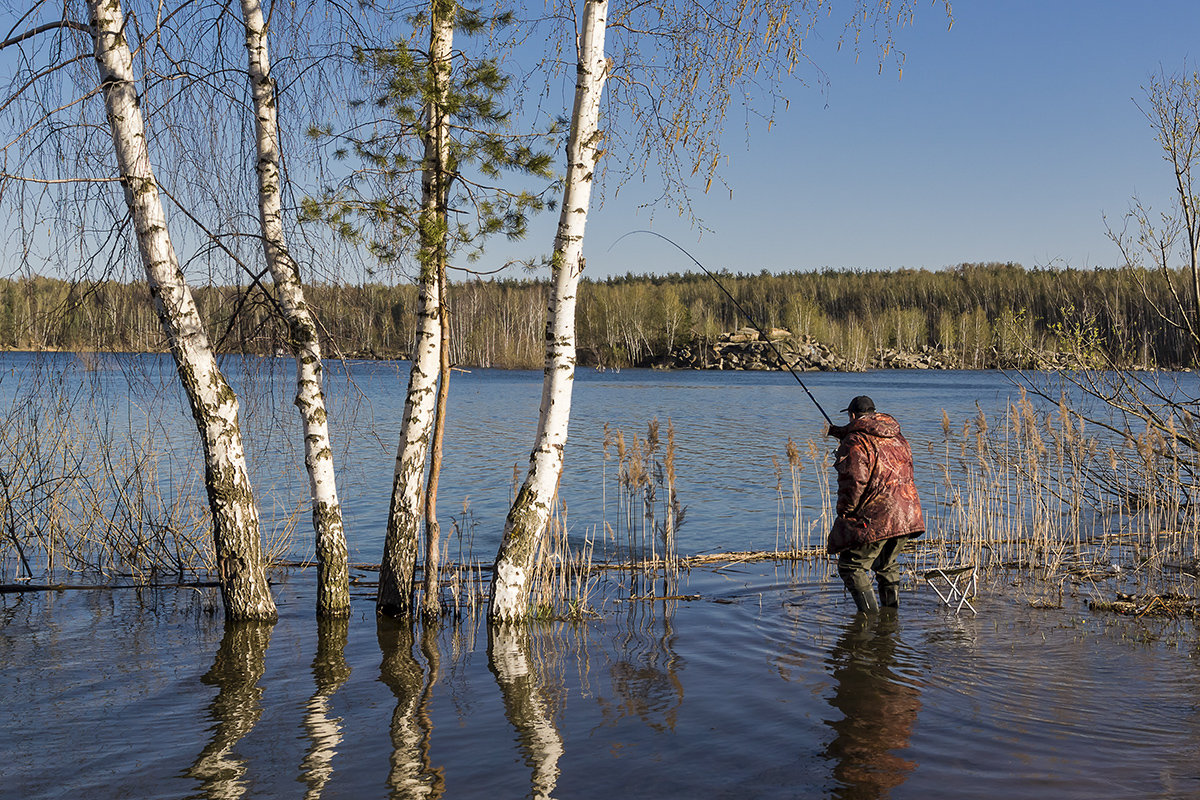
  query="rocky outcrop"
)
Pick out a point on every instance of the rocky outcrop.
point(925, 358)
point(746, 349)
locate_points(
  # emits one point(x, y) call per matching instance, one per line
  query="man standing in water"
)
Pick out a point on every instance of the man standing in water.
point(877, 505)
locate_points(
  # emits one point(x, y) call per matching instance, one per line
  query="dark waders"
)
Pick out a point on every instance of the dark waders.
point(855, 565)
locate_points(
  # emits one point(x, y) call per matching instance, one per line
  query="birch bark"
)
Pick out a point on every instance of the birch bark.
point(333, 578)
point(431, 602)
point(214, 406)
point(530, 511)
point(400, 546)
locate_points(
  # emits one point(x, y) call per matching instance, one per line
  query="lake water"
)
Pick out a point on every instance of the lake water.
point(764, 685)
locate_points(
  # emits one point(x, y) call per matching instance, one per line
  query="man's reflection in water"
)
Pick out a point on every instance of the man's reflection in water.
point(412, 774)
point(526, 703)
point(235, 710)
point(330, 671)
point(879, 708)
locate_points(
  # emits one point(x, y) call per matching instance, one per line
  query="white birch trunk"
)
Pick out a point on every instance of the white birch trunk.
point(404, 516)
point(431, 604)
point(333, 578)
point(530, 511)
point(236, 534)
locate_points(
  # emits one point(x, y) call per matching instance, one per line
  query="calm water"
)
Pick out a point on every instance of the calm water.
point(765, 686)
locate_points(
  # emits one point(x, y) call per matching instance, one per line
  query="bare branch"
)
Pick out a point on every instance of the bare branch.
point(49, 26)
point(10, 177)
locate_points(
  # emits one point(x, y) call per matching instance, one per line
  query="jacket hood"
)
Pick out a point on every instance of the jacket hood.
point(877, 424)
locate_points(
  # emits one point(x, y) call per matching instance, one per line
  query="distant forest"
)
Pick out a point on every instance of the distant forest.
point(977, 315)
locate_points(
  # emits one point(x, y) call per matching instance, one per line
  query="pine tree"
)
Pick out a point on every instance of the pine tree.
point(439, 120)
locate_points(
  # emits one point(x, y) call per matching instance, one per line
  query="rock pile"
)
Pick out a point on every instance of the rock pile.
point(746, 349)
point(925, 358)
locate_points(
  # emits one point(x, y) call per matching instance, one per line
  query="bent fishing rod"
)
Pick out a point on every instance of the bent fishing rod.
point(744, 313)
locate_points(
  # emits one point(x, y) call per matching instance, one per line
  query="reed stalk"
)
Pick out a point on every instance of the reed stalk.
point(648, 510)
point(1042, 494)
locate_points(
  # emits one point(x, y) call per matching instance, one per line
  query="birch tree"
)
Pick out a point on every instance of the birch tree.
point(52, 58)
point(530, 510)
point(678, 67)
point(333, 580)
point(405, 511)
point(1169, 242)
point(1156, 414)
point(214, 405)
point(188, 56)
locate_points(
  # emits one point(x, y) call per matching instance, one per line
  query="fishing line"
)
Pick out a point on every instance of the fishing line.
point(743, 311)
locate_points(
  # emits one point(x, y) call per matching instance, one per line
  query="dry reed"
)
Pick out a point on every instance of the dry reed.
point(1040, 493)
point(648, 511)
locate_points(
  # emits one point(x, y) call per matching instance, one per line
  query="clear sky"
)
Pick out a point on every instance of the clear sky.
point(1009, 137)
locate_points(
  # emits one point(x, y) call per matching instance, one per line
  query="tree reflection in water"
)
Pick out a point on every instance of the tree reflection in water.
point(235, 710)
point(879, 708)
point(527, 702)
point(330, 671)
point(411, 774)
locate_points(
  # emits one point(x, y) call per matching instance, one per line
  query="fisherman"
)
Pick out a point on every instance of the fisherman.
point(877, 505)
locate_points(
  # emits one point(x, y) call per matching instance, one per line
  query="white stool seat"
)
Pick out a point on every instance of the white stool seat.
point(954, 585)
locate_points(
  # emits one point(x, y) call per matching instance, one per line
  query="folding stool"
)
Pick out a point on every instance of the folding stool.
point(945, 581)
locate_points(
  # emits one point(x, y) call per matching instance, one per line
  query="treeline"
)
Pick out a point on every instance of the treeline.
point(975, 315)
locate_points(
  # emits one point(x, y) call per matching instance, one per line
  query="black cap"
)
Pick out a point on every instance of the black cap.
point(861, 405)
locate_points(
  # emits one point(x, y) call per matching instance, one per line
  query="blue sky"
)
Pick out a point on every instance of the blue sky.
point(1008, 138)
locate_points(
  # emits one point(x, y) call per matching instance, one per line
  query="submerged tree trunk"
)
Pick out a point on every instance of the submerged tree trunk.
point(530, 511)
point(404, 516)
point(236, 534)
point(333, 578)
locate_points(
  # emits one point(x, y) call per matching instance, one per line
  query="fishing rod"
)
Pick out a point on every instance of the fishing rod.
point(744, 312)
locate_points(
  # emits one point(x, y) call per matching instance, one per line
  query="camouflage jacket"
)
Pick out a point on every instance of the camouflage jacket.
point(877, 498)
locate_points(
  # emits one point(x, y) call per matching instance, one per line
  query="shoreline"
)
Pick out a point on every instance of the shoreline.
point(733, 357)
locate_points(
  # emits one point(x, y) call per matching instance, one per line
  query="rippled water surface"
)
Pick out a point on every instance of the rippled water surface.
point(764, 685)
point(761, 688)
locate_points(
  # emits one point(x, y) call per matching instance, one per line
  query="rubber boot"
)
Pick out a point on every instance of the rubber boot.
point(863, 595)
point(889, 595)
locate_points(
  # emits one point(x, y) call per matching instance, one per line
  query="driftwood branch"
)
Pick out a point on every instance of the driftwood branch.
point(14, 588)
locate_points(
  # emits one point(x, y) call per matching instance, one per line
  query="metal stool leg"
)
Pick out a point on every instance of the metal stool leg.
point(950, 591)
